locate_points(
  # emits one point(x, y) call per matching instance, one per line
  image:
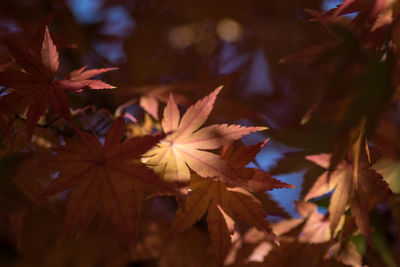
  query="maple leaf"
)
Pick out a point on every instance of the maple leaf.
point(312, 228)
point(369, 190)
point(372, 8)
point(104, 175)
point(186, 145)
point(83, 76)
point(36, 85)
point(316, 227)
point(255, 180)
point(223, 201)
point(150, 104)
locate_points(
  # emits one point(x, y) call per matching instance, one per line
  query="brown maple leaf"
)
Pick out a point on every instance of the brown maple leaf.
point(104, 176)
point(35, 85)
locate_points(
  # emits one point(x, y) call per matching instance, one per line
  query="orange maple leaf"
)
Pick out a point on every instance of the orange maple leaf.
point(312, 228)
point(222, 201)
point(186, 147)
point(239, 156)
point(370, 190)
point(36, 85)
point(104, 175)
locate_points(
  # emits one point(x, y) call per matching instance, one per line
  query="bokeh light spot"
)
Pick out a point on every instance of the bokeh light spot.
point(229, 30)
point(182, 36)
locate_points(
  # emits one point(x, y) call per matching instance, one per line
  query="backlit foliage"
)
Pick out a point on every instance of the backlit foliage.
point(163, 133)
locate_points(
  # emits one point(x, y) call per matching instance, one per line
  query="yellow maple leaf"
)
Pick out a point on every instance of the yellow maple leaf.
point(186, 147)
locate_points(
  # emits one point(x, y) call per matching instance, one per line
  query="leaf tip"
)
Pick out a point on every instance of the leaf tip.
point(171, 99)
point(216, 91)
point(262, 128)
point(219, 88)
point(47, 36)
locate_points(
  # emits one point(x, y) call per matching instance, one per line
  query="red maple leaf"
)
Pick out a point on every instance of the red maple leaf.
point(106, 176)
point(35, 85)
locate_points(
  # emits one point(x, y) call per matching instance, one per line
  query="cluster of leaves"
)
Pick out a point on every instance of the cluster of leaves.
point(355, 111)
point(116, 176)
point(166, 182)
